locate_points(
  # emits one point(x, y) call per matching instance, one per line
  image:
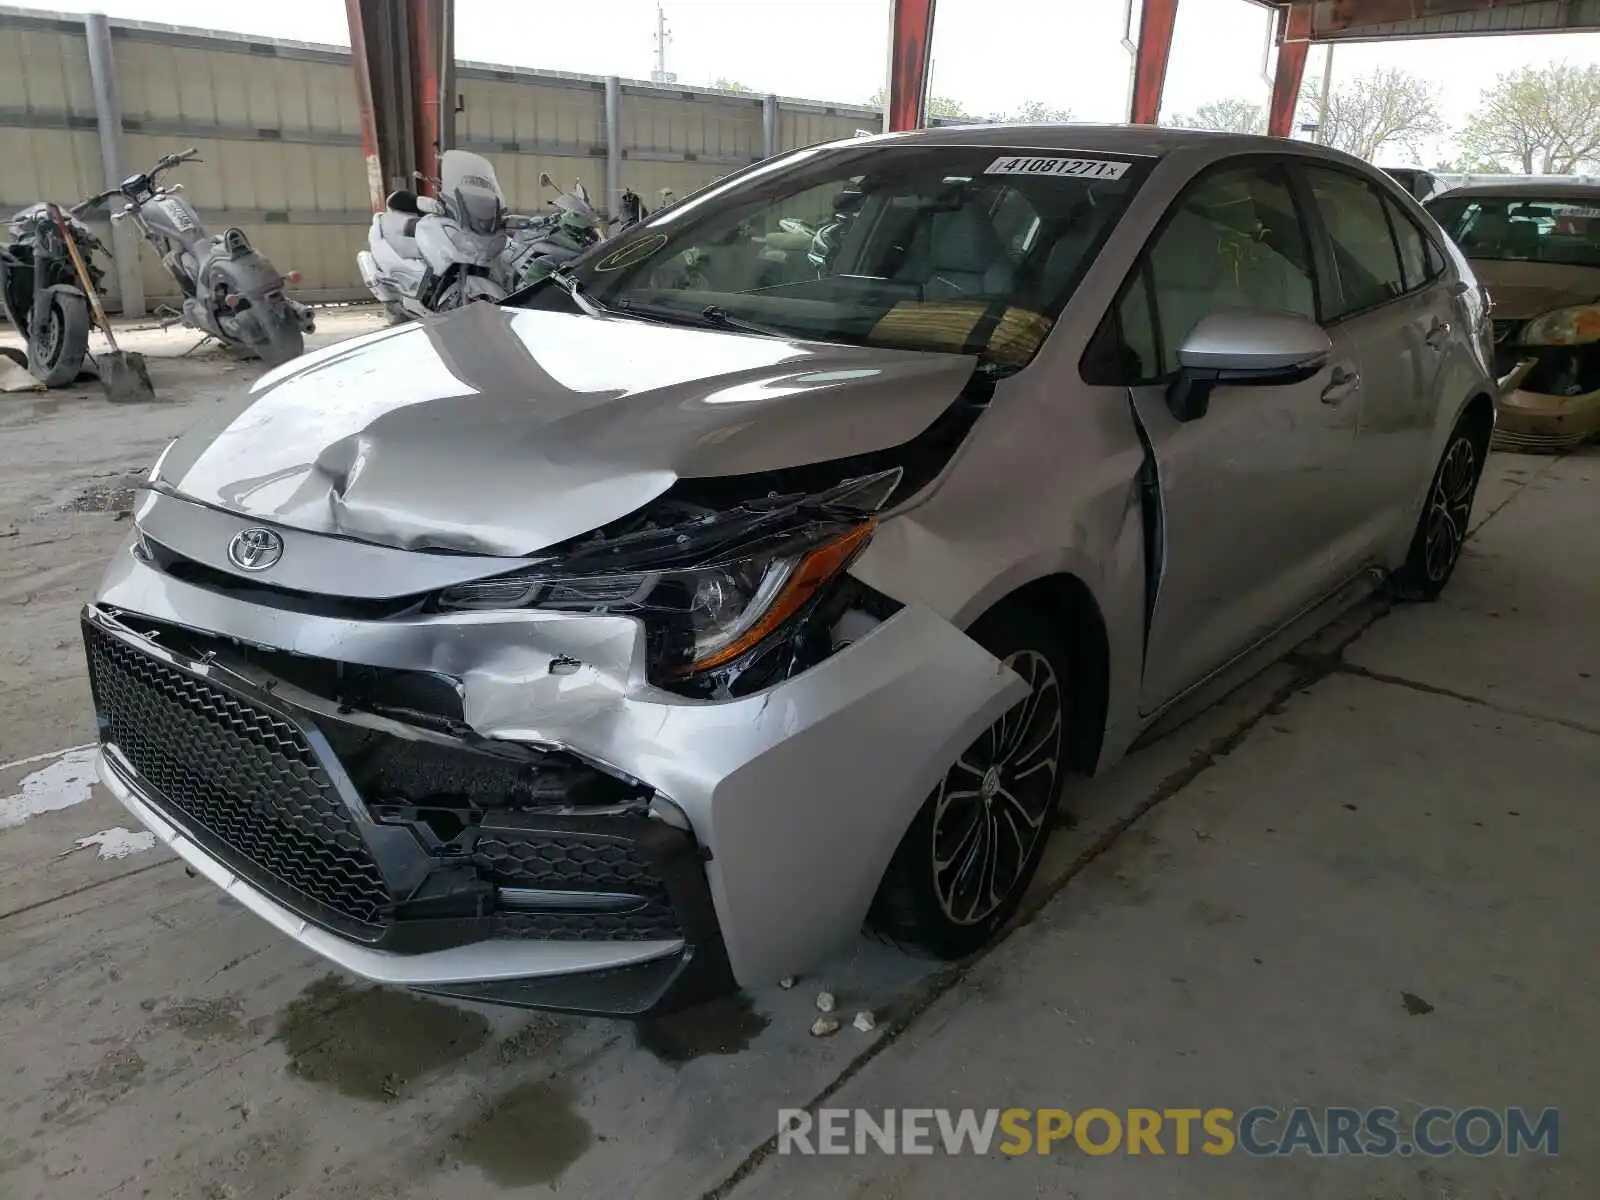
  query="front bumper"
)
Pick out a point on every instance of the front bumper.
point(1549, 397)
point(788, 803)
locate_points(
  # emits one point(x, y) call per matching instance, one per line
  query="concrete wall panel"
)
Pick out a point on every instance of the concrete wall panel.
point(278, 128)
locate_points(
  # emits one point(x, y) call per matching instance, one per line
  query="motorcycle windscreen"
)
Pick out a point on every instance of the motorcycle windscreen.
point(468, 182)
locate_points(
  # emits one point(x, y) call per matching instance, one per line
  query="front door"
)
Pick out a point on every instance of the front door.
point(1250, 493)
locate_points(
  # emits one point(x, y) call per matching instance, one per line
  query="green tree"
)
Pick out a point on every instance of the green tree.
point(1374, 112)
point(1225, 116)
point(938, 106)
point(1037, 112)
point(1546, 120)
point(731, 85)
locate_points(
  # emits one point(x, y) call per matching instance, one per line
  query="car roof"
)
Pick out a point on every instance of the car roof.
point(1527, 189)
point(1154, 140)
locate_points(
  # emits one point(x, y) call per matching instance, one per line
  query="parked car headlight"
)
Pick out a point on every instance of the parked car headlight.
point(696, 618)
point(1564, 327)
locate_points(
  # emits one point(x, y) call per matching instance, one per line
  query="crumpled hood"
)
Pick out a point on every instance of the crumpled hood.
point(501, 431)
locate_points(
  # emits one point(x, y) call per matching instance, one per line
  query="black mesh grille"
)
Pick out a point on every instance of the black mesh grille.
point(239, 773)
point(645, 924)
point(572, 863)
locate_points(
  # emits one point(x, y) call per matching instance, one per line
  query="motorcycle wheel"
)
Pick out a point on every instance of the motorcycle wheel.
point(55, 353)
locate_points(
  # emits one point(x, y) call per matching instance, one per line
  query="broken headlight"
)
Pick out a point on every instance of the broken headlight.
point(1564, 327)
point(709, 591)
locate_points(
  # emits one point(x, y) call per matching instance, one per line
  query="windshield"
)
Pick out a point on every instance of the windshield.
point(968, 249)
point(467, 182)
point(1527, 229)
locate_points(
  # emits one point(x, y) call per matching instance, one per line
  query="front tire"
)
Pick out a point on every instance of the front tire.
point(973, 848)
point(55, 352)
point(1442, 528)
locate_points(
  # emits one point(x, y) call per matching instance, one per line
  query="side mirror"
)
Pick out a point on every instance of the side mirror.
point(545, 180)
point(1242, 348)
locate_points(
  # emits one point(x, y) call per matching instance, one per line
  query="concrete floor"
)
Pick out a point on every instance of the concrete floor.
point(1400, 818)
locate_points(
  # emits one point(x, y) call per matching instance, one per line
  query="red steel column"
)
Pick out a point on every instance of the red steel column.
point(1150, 63)
point(429, 35)
point(376, 186)
point(910, 49)
point(1292, 50)
point(401, 51)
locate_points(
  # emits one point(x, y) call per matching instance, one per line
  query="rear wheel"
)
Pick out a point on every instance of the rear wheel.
point(967, 860)
point(1442, 529)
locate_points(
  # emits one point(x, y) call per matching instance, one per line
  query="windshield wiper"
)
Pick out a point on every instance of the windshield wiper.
point(711, 317)
point(570, 284)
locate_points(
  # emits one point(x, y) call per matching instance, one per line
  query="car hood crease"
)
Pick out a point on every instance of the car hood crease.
point(500, 431)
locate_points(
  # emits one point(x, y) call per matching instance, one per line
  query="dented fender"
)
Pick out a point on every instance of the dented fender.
point(800, 794)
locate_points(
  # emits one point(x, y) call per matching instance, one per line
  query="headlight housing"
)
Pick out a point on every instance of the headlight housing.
point(1574, 326)
point(713, 593)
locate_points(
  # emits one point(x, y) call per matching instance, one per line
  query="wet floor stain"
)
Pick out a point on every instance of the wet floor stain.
point(201, 1019)
point(723, 1026)
point(371, 1042)
point(528, 1135)
point(1415, 1004)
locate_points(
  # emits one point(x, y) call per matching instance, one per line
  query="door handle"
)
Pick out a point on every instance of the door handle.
point(1438, 335)
point(1341, 385)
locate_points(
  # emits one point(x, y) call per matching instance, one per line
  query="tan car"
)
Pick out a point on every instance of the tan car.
point(1536, 247)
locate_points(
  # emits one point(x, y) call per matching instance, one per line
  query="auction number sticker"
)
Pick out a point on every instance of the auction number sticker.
point(1076, 168)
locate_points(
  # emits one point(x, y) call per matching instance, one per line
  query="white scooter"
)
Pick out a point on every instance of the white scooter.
point(426, 254)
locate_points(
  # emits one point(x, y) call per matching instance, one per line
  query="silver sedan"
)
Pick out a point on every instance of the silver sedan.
point(774, 569)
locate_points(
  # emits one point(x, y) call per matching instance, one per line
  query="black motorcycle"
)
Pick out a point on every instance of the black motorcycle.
point(42, 294)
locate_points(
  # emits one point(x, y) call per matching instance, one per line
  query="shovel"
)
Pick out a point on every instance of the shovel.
point(123, 377)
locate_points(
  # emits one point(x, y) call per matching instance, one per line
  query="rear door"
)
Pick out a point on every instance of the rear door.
point(1389, 309)
point(1245, 519)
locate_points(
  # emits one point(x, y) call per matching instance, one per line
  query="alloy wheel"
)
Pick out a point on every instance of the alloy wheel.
point(1449, 509)
point(994, 804)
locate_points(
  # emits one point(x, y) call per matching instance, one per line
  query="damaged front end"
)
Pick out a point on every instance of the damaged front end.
point(1549, 377)
point(732, 600)
point(651, 764)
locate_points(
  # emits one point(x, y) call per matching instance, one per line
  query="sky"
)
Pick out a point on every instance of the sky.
point(991, 55)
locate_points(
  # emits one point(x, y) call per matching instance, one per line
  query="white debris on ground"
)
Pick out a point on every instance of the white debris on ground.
point(117, 842)
point(826, 1002)
point(824, 1027)
point(14, 377)
point(865, 1021)
point(786, 982)
point(63, 783)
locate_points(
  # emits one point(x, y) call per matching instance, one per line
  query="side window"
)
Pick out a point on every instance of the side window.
point(1234, 240)
point(1415, 261)
point(1364, 250)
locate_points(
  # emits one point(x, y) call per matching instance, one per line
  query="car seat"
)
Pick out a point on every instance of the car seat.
point(956, 254)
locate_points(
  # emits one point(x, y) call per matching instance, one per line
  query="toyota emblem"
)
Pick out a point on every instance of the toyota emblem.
point(255, 549)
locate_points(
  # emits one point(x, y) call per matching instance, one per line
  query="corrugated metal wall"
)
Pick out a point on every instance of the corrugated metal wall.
point(277, 125)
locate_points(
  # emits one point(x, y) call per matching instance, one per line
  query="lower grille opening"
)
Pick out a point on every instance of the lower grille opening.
point(450, 840)
point(242, 776)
